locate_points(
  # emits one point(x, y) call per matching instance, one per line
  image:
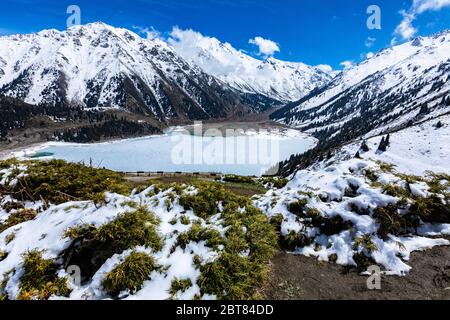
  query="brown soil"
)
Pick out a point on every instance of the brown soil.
point(301, 278)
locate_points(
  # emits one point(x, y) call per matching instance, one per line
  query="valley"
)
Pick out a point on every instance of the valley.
point(218, 175)
point(179, 151)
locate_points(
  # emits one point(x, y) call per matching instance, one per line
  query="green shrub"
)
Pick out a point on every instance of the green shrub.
point(298, 207)
point(198, 233)
point(333, 258)
point(390, 221)
point(277, 221)
point(205, 202)
point(92, 246)
point(128, 230)
point(363, 262)
point(10, 237)
point(18, 217)
point(386, 167)
point(275, 182)
point(197, 261)
point(330, 226)
point(12, 205)
point(168, 204)
point(439, 183)
point(294, 240)
point(234, 275)
point(130, 274)
point(185, 220)
point(238, 179)
point(358, 210)
point(6, 276)
point(365, 242)
point(396, 191)
point(180, 286)
point(248, 245)
point(39, 279)
point(371, 175)
point(8, 163)
point(432, 209)
point(57, 181)
point(3, 255)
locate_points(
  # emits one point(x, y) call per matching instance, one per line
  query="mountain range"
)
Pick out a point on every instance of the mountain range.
point(394, 88)
point(284, 81)
point(97, 66)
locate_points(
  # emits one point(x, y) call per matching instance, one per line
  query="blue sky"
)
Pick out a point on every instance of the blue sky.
point(311, 31)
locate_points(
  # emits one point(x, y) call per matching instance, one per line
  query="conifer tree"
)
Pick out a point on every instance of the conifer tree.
point(424, 109)
point(364, 146)
point(388, 140)
point(382, 147)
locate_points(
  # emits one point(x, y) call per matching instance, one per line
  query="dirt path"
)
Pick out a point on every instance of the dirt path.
point(302, 278)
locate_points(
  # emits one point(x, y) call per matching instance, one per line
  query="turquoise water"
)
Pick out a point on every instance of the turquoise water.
point(38, 155)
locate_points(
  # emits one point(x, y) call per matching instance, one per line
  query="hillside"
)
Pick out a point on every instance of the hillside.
point(357, 209)
point(361, 208)
point(397, 86)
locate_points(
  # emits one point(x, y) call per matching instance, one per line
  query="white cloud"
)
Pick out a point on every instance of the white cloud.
point(204, 50)
point(347, 64)
point(151, 32)
point(426, 5)
point(187, 36)
point(187, 42)
point(370, 42)
point(405, 30)
point(370, 55)
point(266, 47)
point(325, 68)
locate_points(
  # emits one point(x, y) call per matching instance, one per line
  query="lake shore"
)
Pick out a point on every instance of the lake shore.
point(251, 149)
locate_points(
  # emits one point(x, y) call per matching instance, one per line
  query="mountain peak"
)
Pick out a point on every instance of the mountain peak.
point(284, 81)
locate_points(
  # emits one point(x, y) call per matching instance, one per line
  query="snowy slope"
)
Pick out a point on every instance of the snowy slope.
point(97, 65)
point(349, 190)
point(285, 81)
point(337, 223)
point(392, 86)
point(56, 220)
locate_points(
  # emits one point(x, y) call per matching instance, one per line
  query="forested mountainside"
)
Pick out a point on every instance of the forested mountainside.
point(396, 88)
point(70, 124)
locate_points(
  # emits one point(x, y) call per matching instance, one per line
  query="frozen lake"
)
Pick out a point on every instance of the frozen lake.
point(249, 153)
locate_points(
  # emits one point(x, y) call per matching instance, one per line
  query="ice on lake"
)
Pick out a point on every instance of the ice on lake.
point(252, 153)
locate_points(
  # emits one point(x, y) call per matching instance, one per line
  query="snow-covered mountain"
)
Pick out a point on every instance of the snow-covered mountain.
point(97, 65)
point(285, 81)
point(398, 85)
